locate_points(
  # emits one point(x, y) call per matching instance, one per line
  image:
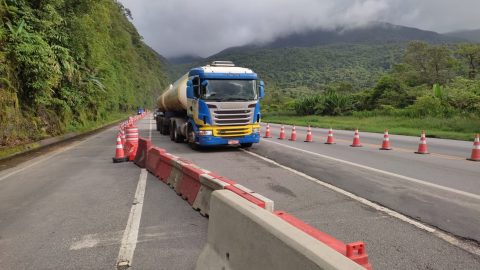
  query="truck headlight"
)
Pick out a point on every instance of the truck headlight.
point(256, 130)
point(205, 133)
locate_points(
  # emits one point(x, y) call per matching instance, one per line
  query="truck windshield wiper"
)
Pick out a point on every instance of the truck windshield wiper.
point(237, 99)
point(213, 99)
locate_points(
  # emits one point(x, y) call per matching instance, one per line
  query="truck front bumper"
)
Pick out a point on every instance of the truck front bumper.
point(213, 140)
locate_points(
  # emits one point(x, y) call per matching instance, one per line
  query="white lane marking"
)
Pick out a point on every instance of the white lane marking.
point(130, 235)
point(45, 158)
point(442, 235)
point(406, 178)
point(149, 234)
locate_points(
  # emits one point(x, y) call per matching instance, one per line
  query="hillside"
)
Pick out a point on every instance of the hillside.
point(315, 67)
point(311, 60)
point(66, 65)
point(374, 33)
point(470, 35)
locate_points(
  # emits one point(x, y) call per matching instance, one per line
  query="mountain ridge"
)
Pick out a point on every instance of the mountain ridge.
point(373, 33)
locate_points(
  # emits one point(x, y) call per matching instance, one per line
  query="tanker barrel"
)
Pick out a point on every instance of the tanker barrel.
point(174, 98)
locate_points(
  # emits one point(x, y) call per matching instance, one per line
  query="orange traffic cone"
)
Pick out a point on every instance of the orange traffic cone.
point(330, 139)
point(267, 132)
point(422, 147)
point(119, 153)
point(282, 133)
point(356, 139)
point(386, 141)
point(309, 137)
point(476, 149)
point(293, 137)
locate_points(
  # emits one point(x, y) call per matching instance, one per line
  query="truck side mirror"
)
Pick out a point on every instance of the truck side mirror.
point(261, 89)
point(190, 94)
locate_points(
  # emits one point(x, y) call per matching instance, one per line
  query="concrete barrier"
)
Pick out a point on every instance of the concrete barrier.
point(142, 151)
point(189, 187)
point(208, 183)
point(251, 196)
point(176, 174)
point(153, 158)
point(243, 236)
point(165, 166)
point(354, 251)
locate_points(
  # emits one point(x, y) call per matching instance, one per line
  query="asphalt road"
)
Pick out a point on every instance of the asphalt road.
point(68, 209)
point(391, 242)
point(441, 189)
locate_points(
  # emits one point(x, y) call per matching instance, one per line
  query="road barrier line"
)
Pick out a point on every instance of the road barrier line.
point(471, 248)
point(406, 178)
point(130, 235)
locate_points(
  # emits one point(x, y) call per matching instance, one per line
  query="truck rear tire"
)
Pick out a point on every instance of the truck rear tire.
point(172, 128)
point(165, 123)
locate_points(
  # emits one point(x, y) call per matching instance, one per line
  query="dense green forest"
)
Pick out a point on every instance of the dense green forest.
point(429, 80)
point(290, 70)
point(68, 64)
point(365, 79)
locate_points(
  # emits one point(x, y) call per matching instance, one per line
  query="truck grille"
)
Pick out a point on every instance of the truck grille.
point(232, 131)
point(232, 117)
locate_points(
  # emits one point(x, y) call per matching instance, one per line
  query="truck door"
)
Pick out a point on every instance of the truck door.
point(193, 103)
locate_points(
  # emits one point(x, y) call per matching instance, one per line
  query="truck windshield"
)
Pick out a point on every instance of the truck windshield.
point(230, 90)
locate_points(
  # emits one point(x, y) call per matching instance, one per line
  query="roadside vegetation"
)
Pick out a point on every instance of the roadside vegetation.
point(432, 87)
point(70, 65)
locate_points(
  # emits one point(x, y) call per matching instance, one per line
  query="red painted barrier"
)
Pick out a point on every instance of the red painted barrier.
point(190, 184)
point(164, 167)
point(153, 158)
point(354, 251)
point(221, 178)
point(247, 196)
point(142, 150)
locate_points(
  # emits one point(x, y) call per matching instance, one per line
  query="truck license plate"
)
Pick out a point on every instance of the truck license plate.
point(230, 142)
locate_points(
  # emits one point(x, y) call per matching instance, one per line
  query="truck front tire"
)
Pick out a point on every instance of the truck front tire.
point(246, 145)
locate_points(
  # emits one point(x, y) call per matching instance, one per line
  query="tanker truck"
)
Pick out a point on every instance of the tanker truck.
point(216, 104)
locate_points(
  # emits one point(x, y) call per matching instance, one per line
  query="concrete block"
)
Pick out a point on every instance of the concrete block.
point(244, 236)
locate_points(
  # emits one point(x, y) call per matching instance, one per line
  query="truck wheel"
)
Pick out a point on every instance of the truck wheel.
point(165, 127)
point(191, 138)
point(246, 145)
point(159, 126)
point(177, 137)
point(172, 128)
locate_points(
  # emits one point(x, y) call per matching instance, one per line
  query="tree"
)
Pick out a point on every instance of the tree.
point(471, 54)
point(389, 91)
point(430, 63)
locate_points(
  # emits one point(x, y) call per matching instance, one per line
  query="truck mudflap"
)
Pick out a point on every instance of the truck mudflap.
point(213, 140)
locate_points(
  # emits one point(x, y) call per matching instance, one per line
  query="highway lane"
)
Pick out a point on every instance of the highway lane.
point(441, 147)
point(391, 243)
point(449, 198)
point(68, 209)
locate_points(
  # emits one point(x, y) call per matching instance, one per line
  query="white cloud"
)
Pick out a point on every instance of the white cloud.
point(177, 27)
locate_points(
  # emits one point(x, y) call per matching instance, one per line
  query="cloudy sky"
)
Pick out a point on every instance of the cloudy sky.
point(204, 27)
